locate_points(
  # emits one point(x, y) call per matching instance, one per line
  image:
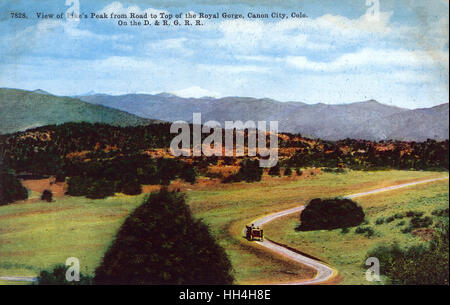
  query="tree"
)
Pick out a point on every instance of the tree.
point(189, 173)
point(274, 170)
point(132, 187)
point(249, 171)
point(11, 189)
point(100, 189)
point(288, 171)
point(161, 243)
point(47, 195)
point(78, 186)
point(328, 214)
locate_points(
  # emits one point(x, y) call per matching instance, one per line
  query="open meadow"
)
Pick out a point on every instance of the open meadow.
point(35, 235)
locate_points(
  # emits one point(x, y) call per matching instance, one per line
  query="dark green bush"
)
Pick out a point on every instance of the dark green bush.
point(398, 216)
point(60, 177)
point(274, 170)
point(57, 276)
point(288, 171)
point(250, 171)
point(132, 188)
point(78, 186)
point(47, 195)
point(379, 221)
point(189, 174)
point(100, 189)
point(418, 265)
point(11, 189)
point(414, 214)
point(390, 219)
point(161, 243)
point(418, 222)
point(328, 214)
point(345, 230)
point(367, 231)
point(90, 187)
point(440, 212)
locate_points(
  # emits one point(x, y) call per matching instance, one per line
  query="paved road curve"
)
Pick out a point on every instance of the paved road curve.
point(323, 271)
point(18, 279)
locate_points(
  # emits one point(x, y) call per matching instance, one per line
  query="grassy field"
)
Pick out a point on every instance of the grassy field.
point(34, 236)
point(347, 251)
point(227, 210)
point(37, 235)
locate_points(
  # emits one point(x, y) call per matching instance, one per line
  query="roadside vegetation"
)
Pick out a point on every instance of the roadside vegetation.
point(329, 214)
point(57, 276)
point(423, 264)
point(410, 218)
point(11, 188)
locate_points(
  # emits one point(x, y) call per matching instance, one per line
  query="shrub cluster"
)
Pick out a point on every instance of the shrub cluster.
point(102, 178)
point(57, 276)
point(414, 214)
point(249, 171)
point(11, 189)
point(47, 195)
point(91, 188)
point(418, 265)
point(367, 231)
point(275, 170)
point(288, 171)
point(328, 214)
point(440, 212)
point(380, 221)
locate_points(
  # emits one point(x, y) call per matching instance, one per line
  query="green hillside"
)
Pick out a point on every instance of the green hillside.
point(21, 110)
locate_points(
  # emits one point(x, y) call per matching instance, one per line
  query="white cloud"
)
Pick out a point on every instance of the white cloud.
point(172, 44)
point(118, 8)
point(233, 69)
point(195, 92)
point(373, 58)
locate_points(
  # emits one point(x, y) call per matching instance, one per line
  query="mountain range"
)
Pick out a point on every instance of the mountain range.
point(368, 120)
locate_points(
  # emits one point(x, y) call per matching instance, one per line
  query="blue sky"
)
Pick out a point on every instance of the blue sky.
point(339, 54)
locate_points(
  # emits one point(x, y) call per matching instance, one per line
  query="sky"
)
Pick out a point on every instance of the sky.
point(393, 51)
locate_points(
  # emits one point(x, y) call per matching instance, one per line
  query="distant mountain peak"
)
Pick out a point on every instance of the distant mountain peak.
point(166, 94)
point(88, 93)
point(40, 91)
point(372, 101)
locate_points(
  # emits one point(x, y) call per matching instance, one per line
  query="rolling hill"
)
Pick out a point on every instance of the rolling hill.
point(368, 120)
point(21, 110)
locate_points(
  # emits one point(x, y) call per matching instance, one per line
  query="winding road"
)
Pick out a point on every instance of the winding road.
point(324, 272)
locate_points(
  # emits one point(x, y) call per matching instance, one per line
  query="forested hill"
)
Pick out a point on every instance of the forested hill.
point(21, 110)
point(53, 149)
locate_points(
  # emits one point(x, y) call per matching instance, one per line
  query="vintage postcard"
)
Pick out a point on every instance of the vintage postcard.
point(237, 142)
